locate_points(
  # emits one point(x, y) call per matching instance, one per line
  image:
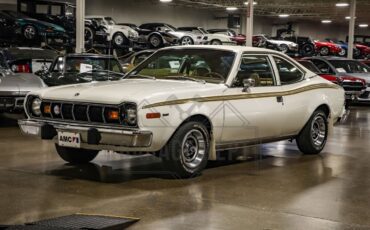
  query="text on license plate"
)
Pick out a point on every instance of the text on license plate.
point(69, 139)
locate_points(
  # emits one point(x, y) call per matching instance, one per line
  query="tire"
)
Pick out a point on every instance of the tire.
point(216, 42)
point(89, 34)
point(30, 32)
point(76, 156)
point(283, 48)
point(308, 50)
point(186, 40)
point(312, 138)
point(119, 39)
point(186, 154)
point(343, 53)
point(155, 41)
point(324, 51)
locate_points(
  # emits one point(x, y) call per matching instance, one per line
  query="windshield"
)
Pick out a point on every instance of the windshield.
point(202, 30)
point(171, 27)
point(212, 66)
point(99, 75)
point(346, 66)
point(309, 65)
point(87, 64)
point(110, 21)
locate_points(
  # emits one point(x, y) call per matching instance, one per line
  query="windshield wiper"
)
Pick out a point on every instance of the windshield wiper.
point(141, 76)
point(187, 78)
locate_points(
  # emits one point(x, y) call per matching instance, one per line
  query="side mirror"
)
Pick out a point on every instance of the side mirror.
point(248, 83)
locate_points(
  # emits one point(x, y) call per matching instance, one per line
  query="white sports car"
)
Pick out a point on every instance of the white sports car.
point(185, 103)
point(118, 34)
point(213, 39)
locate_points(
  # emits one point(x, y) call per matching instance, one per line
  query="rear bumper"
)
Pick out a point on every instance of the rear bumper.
point(91, 138)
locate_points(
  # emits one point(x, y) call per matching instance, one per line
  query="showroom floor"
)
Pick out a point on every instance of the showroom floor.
point(282, 190)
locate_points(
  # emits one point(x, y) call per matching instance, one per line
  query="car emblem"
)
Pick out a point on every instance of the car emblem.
point(77, 94)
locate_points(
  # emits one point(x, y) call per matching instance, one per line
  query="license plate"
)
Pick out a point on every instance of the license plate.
point(69, 139)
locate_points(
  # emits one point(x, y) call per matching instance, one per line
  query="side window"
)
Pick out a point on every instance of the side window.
point(323, 66)
point(256, 67)
point(288, 72)
point(56, 10)
point(42, 9)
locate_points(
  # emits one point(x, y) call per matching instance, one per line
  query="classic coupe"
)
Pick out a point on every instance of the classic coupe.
point(327, 48)
point(238, 38)
point(185, 103)
point(214, 39)
point(265, 41)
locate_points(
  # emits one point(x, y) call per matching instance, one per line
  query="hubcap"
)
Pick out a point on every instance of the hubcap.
point(342, 52)
point(324, 51)
point(283, 49)
point(29, 32)
point(118, 40)
point(154, 41)
point(187, 41)
point(318, 131)
point(193, 148)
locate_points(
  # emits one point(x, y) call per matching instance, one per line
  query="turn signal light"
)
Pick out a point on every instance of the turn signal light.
point(153, 115)
point(113, 115)
point(47, 109)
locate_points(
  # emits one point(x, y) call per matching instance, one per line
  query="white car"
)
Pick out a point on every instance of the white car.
point(118, 34)
point(213, 39)
point(263, 40)
point(185, 103)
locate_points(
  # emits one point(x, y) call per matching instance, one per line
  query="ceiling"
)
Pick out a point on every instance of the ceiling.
point(297, 9)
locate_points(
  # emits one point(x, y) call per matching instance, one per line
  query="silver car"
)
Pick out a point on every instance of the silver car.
point(14, 87)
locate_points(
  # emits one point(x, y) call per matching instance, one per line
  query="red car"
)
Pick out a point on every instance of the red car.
point(364, 50)
point(327, 48)
point(238, 38)
point(353, 86)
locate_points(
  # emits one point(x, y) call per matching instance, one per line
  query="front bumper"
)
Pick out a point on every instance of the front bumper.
point(104, 138)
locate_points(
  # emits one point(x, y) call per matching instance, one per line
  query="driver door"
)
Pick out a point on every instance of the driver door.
point(257, 113)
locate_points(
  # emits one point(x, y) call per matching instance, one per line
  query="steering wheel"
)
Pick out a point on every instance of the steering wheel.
point(214, 74)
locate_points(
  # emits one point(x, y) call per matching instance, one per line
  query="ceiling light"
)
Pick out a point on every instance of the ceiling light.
point(231, 8)
point(363, 25)
point(284, 15)
point(348, 17)
point(246, 3)
point(326, 21)
point(165, 0)
point(342, 4)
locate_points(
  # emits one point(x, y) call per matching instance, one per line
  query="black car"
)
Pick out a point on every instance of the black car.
point(62, 14)
point(82, 68)
point(17, 25)
point(157, 34)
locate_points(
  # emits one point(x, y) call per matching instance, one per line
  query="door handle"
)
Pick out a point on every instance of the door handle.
point(280, 99)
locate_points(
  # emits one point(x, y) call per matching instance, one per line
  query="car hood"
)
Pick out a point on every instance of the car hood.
point(365, 76)
point(21, 83)
point(281, 42)
point(140, 91)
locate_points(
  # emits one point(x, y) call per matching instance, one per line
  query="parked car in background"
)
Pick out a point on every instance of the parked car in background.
point(131, 25)
point(263, 40)
point(327, 48)
point(353, 86)
point(81, 68)
point(119, 35)
point(62, 14)
point(28, 59)
point(148, 111)
point(364, 51)
point(306, 46)
point(16, 24)
point(135, 58)
point(14, 87)
point(160, 34)
point(342, 67)
point(344, 47)
point(238, 38)
point(213, 39)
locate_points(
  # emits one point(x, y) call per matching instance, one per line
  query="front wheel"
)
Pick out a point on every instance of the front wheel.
point(324, 51)
point(76, 156)
point(187, 41)
point(312, 138)
point(30, 32)
point(119, 39)
point(216, 42)
point(186, 154)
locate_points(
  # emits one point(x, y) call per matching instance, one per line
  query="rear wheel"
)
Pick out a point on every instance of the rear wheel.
point(119, 39)
point(186, 154)
point(76, 156)
point(216, 42)
point(312, 138)
point(324, 51)
point(30, 32)
point(308, 49)
point(187, 41)
point(343, 52)
point(155, 41)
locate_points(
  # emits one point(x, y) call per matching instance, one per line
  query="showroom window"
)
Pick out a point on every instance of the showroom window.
point(256, 67)
point(288, 72)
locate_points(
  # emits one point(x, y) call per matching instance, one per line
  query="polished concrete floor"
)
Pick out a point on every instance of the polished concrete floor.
point(277, 188)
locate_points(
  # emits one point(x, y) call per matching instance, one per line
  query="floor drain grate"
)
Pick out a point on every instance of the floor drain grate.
point(77, 221)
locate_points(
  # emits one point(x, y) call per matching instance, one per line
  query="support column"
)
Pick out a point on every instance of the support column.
point(351, 33)
point(249, 23)
point(80, 26)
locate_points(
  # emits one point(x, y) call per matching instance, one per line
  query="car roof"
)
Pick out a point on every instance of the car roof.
point(226, 48)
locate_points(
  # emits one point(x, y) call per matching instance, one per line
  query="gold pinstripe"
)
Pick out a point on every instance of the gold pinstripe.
point(243, 96)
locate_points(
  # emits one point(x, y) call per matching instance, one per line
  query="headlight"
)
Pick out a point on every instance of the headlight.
point(129, 114)
point(36, 107)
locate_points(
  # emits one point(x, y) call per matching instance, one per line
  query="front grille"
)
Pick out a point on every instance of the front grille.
point(80, 112)
point(7, 102)
point(353, 86)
